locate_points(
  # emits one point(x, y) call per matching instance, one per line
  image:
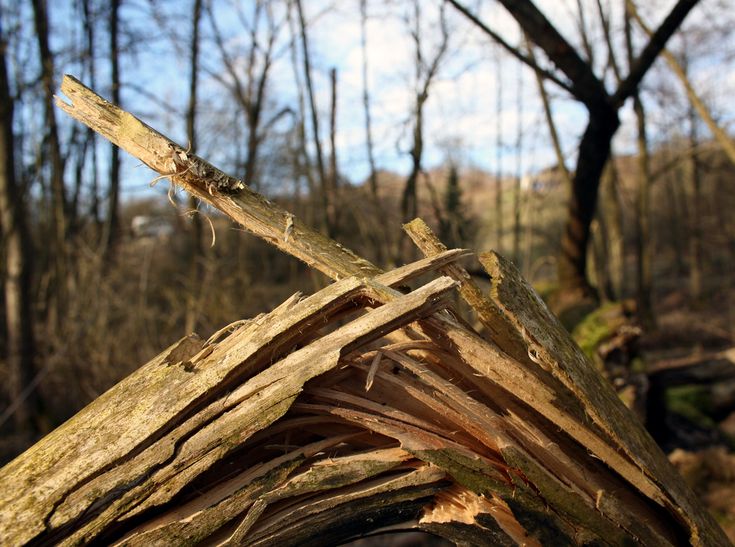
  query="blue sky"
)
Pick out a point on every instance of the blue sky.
point(460, 113)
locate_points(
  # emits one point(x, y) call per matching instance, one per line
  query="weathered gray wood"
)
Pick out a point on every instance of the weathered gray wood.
point(141, 442)
point(501, 331)
point(357, 409)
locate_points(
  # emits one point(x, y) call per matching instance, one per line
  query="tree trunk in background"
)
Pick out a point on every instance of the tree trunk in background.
point(676, 204)
point(373, 177)
point(601, 250)
point(594, 151)
point(498, 155)
point(25, 403)
point(612, 209)
point(58, 197)
point(89, 28)
point(333, 174)
point(378, 235)
point(409, 206)
point(519, 172)
point(426, 70)
point(644, 282)
point(610, 206)
point(112, 229)
point(324, 192)
point(196, 257)
point(695, 216)
point(302, 163)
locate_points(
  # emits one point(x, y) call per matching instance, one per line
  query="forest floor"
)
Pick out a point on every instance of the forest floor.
point(700, 440)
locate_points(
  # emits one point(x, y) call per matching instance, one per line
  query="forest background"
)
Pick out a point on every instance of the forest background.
point(357, 116)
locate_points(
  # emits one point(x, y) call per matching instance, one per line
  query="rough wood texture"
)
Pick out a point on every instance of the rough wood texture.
point(140, 443)
point(514, 307)
point(356, 410)
point(557, 353)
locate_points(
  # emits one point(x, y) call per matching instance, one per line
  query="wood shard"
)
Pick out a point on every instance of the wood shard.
point(456, 504)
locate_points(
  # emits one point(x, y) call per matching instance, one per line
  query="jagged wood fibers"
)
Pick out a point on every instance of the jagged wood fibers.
point(357, 410)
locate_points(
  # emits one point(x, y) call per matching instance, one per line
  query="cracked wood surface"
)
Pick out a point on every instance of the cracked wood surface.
point(356, 410)
point(177, 422)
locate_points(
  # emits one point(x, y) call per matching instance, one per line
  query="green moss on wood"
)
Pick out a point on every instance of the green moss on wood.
point(597, 327)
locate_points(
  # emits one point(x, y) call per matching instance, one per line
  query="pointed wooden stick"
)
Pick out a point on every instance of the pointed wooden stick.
point(198, 177)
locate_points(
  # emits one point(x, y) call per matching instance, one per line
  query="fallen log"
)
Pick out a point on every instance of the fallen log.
point(356, 410)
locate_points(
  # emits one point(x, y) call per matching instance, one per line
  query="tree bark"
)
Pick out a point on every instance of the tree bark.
point(211, 185)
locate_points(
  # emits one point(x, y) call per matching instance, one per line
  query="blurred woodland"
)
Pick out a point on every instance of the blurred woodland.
point(611, 188)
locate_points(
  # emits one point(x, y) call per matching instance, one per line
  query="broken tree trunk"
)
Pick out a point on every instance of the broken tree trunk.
point(357, 410)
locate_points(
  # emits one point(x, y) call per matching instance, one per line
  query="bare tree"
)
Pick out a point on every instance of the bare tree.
point(326, 199)
point(644, 280)
point(576, 76)
point(17, 272)
point(112, 227)
point(373, 177)
point(196, 256)
point(333, 173)
point(88, 22)
point(302, 161)
point(727, 143)
point(426, 70)
point(249, 89)
point(58, 192)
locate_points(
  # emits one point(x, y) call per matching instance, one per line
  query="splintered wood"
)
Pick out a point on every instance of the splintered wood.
point(357, 410)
